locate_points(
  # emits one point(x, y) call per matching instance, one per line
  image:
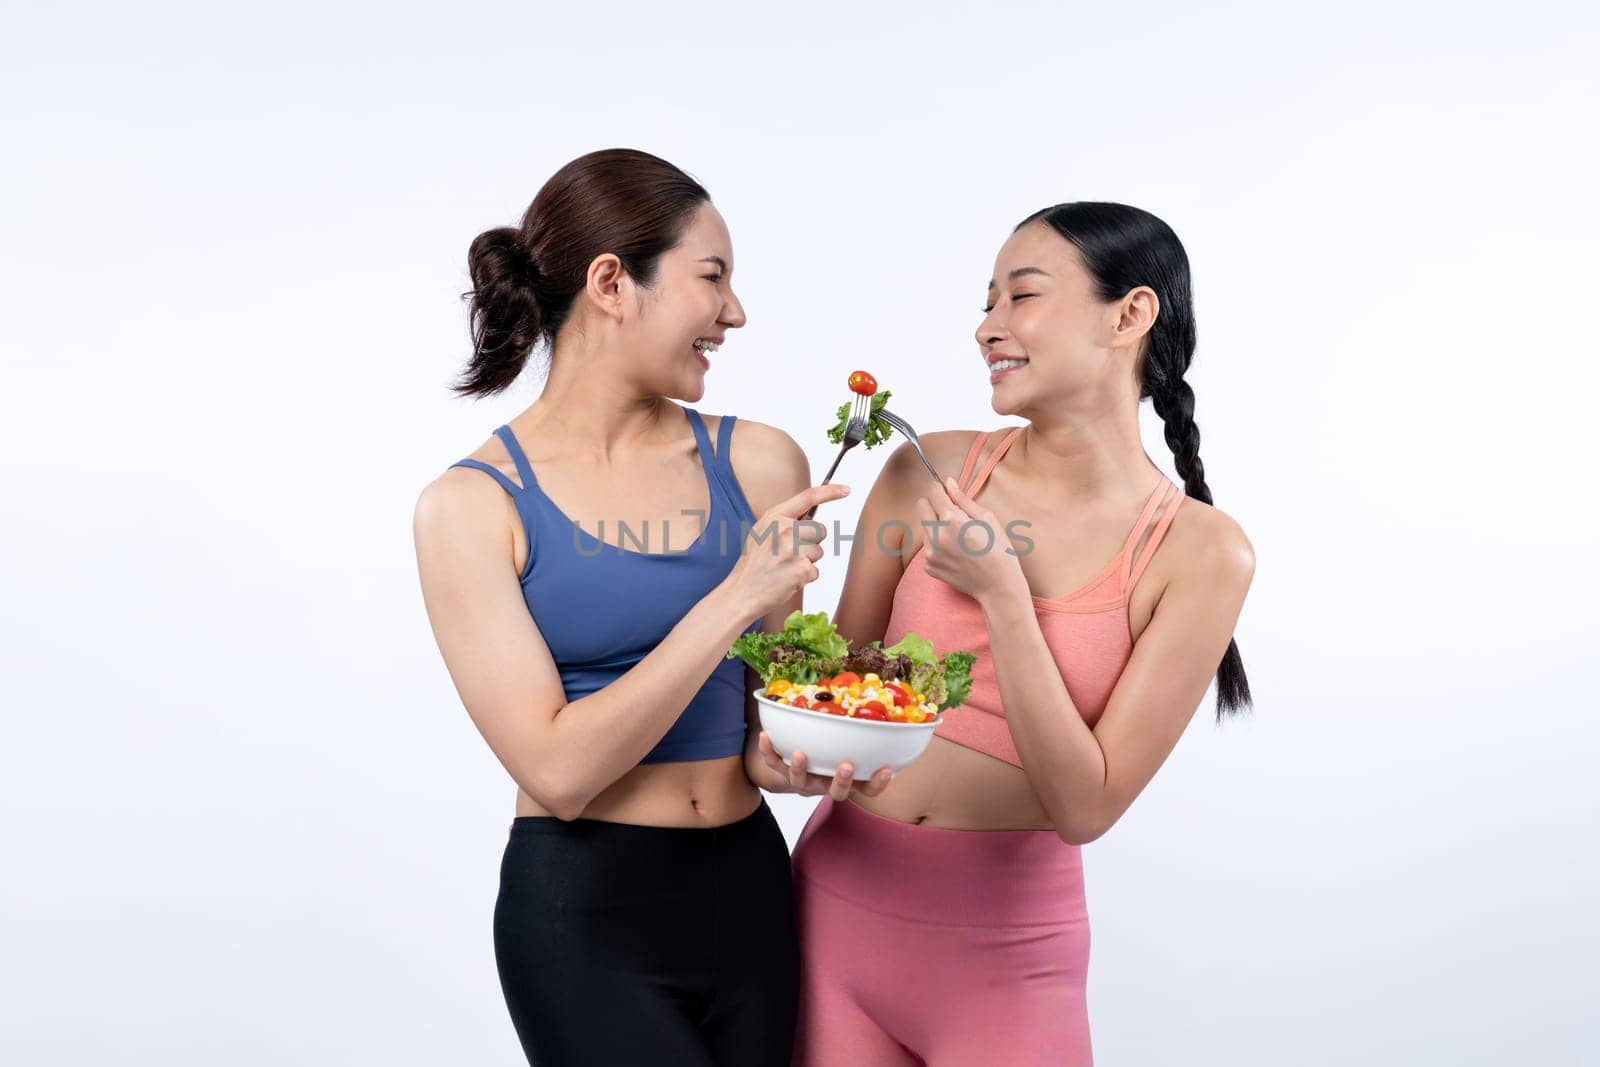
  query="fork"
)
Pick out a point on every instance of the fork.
point(910, 435)
point(855, 430)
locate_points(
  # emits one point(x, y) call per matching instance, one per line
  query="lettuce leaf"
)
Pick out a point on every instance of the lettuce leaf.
point(957, 677)
point(926, 679)
point(754, 648)
point(806, 649)
point(878, 431)
point(920, 649)
point(946, 681)
point(814, 633)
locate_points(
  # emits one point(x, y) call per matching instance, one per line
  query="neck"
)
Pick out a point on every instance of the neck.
point(592, 405)
point(1091, 448)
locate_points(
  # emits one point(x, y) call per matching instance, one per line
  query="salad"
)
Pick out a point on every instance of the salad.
point(809, 665)
point(878, 431)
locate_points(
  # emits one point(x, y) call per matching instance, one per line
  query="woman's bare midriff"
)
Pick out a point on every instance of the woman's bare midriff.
point(698, 793)
point(957, 788)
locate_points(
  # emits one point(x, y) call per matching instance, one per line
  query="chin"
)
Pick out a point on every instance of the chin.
point(691, 390)
point(1005, 405)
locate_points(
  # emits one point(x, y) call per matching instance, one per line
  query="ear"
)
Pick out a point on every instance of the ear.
point(1136, 313)
point(605, 285)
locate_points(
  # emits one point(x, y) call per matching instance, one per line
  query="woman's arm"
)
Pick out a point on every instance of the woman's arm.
point(507, 678)
point(1086, 779)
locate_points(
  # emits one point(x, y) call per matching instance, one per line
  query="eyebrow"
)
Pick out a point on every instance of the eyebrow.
point(1020, 272)
point(721, 263)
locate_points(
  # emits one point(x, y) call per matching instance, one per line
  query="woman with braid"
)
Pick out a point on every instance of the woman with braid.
point(943, 921)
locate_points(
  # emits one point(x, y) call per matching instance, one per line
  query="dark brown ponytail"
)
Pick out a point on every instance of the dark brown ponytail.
point(525, 279)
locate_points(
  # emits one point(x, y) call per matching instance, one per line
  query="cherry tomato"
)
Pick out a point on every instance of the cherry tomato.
point(801, 701)
point(844, 678)
point(873, 711)
point(901, 697)
point(863, 383)
point(829, 707)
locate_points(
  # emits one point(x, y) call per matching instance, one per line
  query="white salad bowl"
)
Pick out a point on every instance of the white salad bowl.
point(829, 740)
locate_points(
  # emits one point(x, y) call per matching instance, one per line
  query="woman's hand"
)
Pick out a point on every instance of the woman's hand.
point(779, 558)
point(973, 561)
point(839, 787)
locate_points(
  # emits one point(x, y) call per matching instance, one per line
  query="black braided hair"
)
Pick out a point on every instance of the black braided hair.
point(1125, 247)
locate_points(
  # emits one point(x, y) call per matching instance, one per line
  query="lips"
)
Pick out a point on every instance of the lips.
point(1012, 365)
point(703, 347)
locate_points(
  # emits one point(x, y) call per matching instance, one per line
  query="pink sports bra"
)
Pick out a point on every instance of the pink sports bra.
point(1086, 630)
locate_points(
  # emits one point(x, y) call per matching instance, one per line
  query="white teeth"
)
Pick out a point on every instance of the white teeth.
point(707, 346)
point(1005, 364)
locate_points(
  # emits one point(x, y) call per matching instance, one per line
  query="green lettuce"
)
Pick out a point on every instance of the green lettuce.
point(806, 649)
point(920, 649)
point(878, 431)
point(754, 648)
point(957, 677)
point(815, 633)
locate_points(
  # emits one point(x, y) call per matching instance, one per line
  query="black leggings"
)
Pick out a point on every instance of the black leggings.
point(620, 944)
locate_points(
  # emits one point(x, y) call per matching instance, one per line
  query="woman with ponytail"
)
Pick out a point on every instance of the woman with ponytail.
point(944, 921)
point(585, 571)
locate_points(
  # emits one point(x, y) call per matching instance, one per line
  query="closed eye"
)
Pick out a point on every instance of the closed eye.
point(1014, 298)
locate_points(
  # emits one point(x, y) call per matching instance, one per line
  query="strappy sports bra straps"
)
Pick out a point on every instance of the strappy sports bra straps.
point(1166, 496)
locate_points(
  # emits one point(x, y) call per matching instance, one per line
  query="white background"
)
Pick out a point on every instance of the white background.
point(246, 820)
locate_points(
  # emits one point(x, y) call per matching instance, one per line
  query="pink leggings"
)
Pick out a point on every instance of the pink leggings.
point(940, 947)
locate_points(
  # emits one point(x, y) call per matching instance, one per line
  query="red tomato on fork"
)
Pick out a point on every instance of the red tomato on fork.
point(863, 383)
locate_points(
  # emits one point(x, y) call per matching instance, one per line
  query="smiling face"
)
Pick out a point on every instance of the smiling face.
point(688, 311)
point(1046, 336)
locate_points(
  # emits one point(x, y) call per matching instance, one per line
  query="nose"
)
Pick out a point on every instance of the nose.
point(990, 332)
point(732, 312)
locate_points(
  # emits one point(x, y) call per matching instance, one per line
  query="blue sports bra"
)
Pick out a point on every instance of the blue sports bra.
point(602, 608)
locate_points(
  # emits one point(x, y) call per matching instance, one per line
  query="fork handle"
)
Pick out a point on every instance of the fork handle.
point(911, 435)
point(812, 510)
point(925, 461)
point(916, 444)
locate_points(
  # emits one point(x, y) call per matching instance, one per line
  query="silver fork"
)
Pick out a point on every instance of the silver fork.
point(855, 430)
point(910, 435)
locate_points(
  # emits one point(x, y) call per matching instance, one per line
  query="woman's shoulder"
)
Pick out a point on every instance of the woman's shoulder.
point(458, 514)
point(770, 465)
point(947, 450)
point(1203, 539)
